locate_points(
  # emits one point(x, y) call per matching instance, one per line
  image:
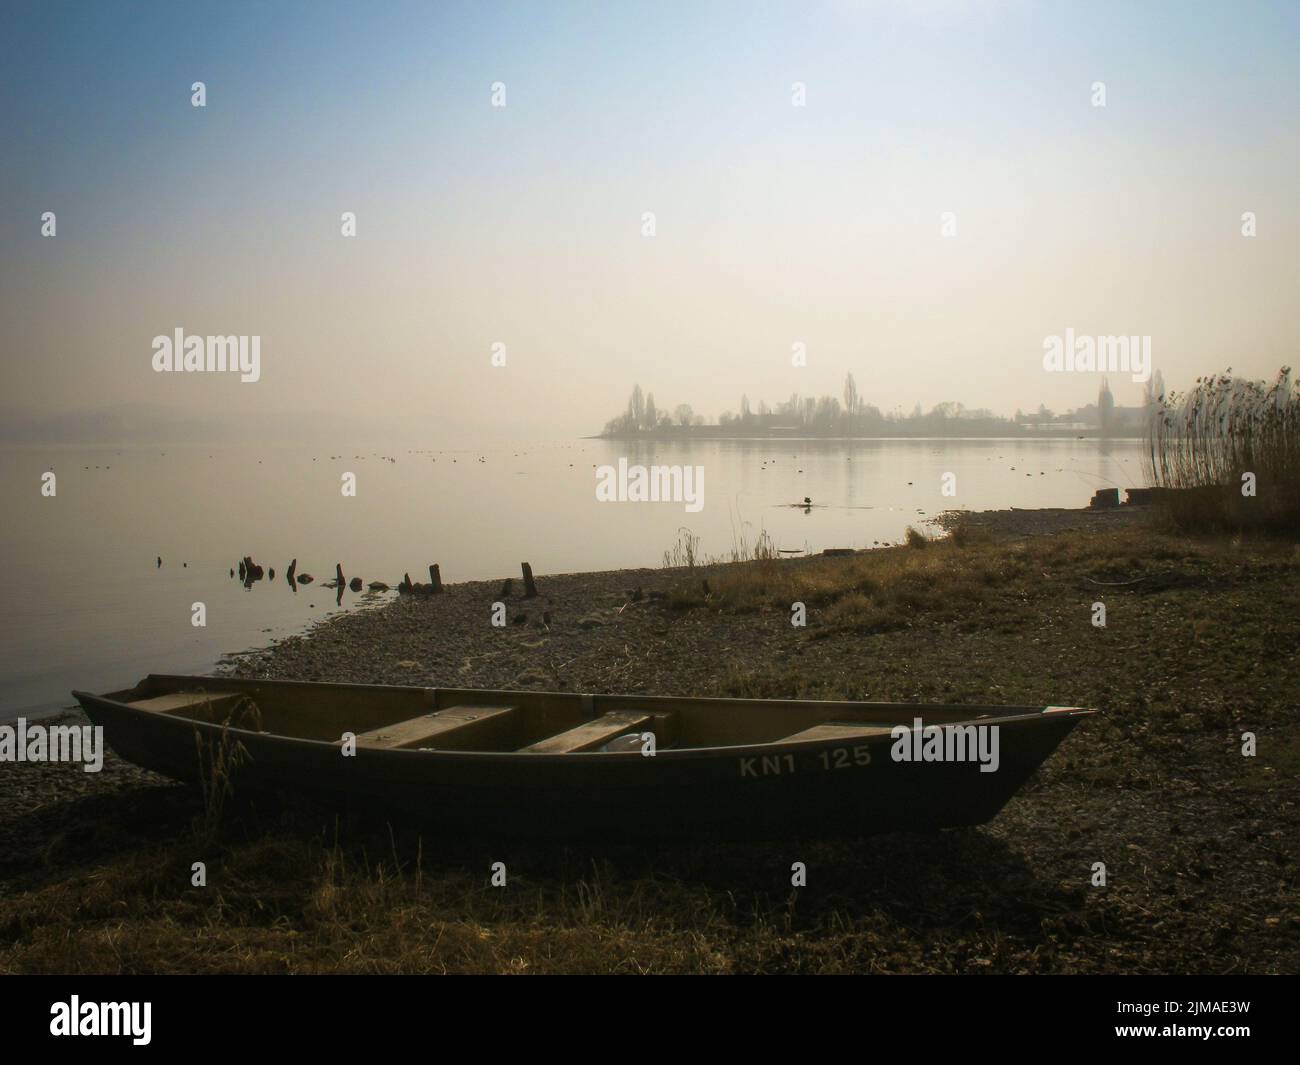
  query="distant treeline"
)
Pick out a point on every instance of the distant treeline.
point(828, 416)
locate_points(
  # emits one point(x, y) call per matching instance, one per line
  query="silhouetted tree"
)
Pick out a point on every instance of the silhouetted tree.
point(636, 408)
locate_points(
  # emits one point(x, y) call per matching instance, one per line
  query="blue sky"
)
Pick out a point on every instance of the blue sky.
point(521, 224)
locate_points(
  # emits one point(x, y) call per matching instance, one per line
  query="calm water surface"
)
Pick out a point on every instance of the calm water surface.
point(89, 608)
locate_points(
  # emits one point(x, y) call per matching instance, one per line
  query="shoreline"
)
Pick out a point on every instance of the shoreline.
point(376, 645)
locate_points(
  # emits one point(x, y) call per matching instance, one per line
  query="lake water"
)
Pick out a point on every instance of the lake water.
point(89, 608)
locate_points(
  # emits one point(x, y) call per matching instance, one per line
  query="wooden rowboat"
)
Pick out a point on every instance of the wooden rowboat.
point(613, 767)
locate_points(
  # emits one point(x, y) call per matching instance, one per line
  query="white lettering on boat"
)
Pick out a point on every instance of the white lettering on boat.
point(843, 757)
point(768, 765)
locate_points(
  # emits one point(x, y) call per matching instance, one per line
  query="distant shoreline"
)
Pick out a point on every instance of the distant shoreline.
point(711, 432)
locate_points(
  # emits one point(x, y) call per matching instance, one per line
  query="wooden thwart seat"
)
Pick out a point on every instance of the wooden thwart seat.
point(456, 728)
point(838, 730)
point(594, 733)
point(207, 706)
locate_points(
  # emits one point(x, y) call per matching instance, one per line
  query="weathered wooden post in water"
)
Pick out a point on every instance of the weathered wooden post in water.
point(435, 579)
point(530, 588)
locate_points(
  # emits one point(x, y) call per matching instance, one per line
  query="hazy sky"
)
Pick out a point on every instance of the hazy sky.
point(523, 224)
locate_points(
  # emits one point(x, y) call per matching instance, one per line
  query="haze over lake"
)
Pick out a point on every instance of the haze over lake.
point(89, 608)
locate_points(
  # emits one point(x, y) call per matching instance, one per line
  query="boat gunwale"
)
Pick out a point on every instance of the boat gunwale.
point(711, 700)
point(1025, 716)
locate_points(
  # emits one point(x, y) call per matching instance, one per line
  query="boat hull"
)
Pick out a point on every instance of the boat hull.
point(817, 788)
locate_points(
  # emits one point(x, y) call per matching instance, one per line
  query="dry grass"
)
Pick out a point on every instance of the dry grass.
point(968, 577)
point(685, 552)
point(291, 901)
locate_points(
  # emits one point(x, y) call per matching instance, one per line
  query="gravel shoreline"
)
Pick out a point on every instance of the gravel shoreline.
point(598, 632)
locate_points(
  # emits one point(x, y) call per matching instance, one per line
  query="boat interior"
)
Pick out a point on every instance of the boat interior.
point(384, 717)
